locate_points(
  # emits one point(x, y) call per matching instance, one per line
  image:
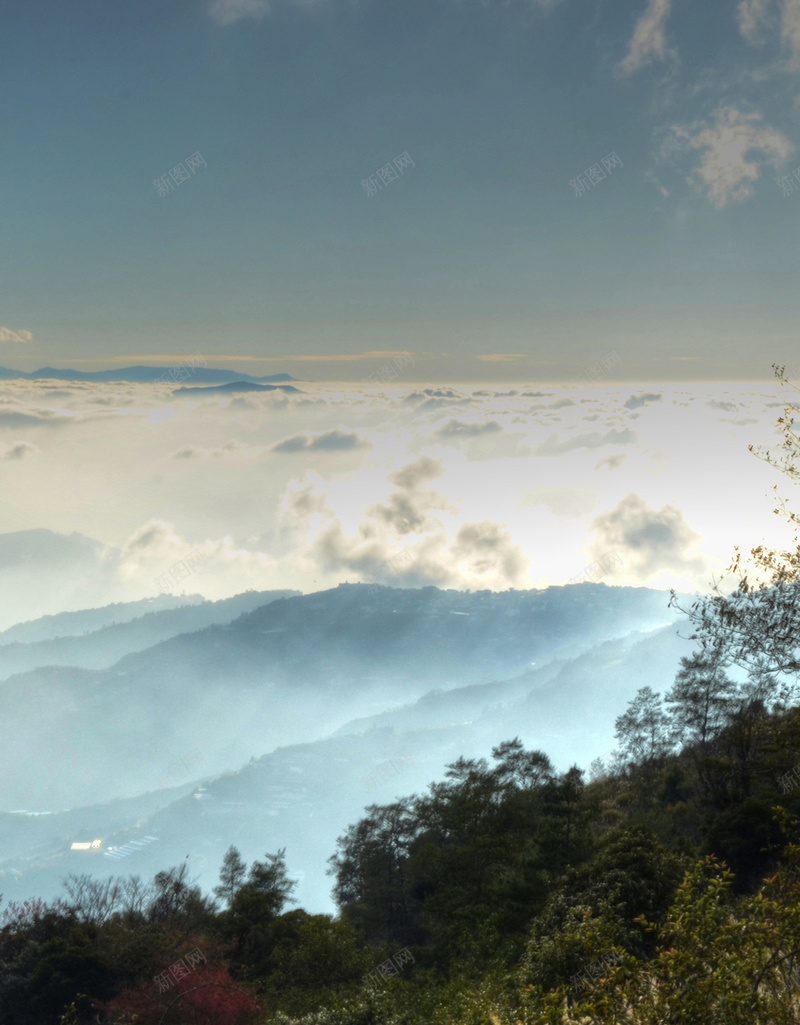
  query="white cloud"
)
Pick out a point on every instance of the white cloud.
point(649, 541)
point(754, 15)
point(400, 541)
point(725, 172)
point(649, 41)
point(228, 12)
point(407, 509)
point(156, 547)
point(7, 335)
point(790, 24)
point(751, 14)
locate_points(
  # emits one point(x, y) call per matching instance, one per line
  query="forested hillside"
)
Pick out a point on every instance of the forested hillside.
point(666, 889)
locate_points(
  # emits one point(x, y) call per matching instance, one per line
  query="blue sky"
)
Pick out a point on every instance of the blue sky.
point(480, 259)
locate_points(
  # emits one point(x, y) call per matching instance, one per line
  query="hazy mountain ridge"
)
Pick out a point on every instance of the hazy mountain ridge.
point(566, 707)
point(137, 374)
point(291, 671)
point(109, 643)
point(74, 624)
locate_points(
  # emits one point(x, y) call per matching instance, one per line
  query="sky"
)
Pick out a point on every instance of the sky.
point(575, 221)
point(560, 179)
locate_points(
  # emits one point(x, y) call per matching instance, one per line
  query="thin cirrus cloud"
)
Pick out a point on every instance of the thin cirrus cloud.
point(729, 168)
point(228, 12)
point(750, 15)
point(7, 335)
point(754, 15)
point(553, 447)
point(501, 357)
point(330, 441)
point(648, 42)
point(790, 24)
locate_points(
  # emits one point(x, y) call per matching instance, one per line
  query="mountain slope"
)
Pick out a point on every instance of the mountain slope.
point(73, 624)
point(303, 796)
point(107, 645)
point(139, 374)
point(290, 671)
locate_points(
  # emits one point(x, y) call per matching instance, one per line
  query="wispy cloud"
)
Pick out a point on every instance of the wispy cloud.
point(649, 38)
point(501, 357)
point(725, 172)
point(790, 24)
point(751, 15)
point(228, 12)
point(553, 447)
point(7, 335)
point(755, 15)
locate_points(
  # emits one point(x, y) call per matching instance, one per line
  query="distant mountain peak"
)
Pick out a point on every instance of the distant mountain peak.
point(140, 375)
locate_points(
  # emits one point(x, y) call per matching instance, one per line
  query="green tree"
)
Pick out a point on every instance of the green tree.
point(313, 958)
point(644, 731)
point(231, 876)
point(255, 905)
point(373, 888)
